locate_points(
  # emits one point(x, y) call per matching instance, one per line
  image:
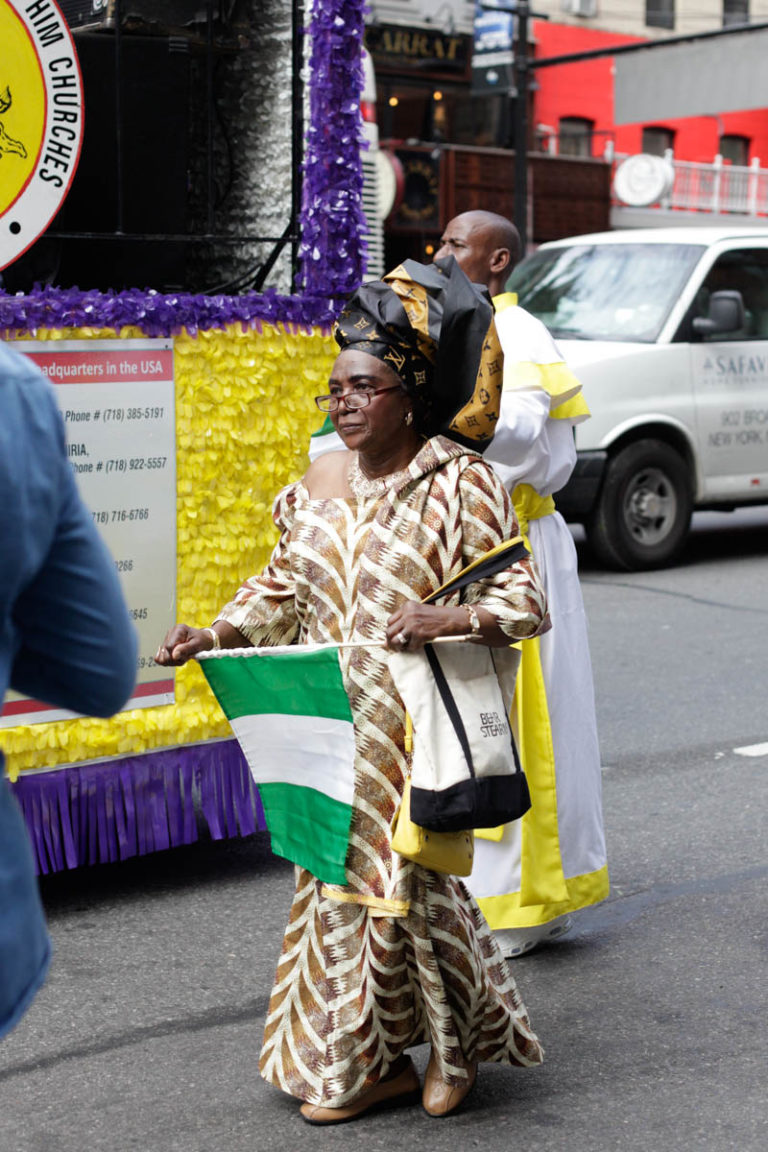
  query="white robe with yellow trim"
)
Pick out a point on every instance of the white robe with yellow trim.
point(554, 860)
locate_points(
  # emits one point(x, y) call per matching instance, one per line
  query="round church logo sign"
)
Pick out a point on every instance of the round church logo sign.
point(642, 180)
point(41, 120)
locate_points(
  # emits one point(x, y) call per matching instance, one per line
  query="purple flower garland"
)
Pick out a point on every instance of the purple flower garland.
point(332, 224)
point(157, 314)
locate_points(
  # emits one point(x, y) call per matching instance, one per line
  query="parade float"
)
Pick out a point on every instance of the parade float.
point(186, 410)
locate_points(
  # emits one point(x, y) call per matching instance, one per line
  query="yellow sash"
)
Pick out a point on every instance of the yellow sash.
point(529, 505)
point(541, 867)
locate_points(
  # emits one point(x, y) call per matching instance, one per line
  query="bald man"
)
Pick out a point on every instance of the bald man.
point(541, 869)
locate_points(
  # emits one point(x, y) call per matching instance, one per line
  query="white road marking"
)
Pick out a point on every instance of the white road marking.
point(752, 750)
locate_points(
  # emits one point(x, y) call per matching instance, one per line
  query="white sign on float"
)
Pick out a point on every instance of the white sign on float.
point(117, 400)
point(41, 121)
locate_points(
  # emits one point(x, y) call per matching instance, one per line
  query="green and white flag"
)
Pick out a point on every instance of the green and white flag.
point(325, 439)
point(290, 713)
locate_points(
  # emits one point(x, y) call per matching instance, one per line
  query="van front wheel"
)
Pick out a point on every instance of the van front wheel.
point(644, 508)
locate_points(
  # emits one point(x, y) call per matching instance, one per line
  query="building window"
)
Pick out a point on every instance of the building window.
point(657, 141)
point(735, 12)
point(576, 136)
point(735, 149)
point(660, 13)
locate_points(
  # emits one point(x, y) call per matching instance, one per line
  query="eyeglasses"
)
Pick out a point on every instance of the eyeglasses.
point(352, 400)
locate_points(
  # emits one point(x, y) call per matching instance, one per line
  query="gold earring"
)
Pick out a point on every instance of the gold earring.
point(409, 417)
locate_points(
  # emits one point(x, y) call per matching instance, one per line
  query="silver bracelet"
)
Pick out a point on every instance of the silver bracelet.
point(215, 635)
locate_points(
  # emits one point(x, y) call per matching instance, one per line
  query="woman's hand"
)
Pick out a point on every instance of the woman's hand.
point(181, 644)
point(413, 625)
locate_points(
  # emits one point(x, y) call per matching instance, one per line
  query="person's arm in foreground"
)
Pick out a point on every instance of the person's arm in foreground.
point(77, 645)
point(65, 636)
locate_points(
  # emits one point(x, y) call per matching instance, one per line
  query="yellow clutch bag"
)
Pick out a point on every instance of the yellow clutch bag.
point(451, 852)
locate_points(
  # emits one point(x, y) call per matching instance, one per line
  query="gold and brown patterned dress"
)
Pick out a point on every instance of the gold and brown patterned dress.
point(400, 955)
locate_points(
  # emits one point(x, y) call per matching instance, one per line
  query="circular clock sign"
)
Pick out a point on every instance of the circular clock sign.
point(643, 180)
point(41, 120)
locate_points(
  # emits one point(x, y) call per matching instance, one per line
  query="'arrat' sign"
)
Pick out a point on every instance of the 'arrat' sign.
point(41, 120)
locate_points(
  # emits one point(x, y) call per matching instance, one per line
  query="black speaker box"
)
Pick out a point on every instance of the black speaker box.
point(153, 139)
point(153, 143)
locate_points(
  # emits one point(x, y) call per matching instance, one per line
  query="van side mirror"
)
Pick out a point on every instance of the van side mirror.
point(726, 314)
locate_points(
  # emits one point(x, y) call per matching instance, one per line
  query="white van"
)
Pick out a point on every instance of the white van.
point(668, 331)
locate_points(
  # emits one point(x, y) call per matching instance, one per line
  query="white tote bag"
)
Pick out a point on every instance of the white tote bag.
point(465, 770)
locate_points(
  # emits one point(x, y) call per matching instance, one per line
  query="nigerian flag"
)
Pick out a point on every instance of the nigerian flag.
point(290, 713)
point(325, 439)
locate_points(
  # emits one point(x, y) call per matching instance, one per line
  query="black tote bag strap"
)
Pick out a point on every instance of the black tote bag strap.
point(503, 556)
point(449, 704)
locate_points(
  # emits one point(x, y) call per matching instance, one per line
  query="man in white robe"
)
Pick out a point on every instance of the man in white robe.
point(539, 870)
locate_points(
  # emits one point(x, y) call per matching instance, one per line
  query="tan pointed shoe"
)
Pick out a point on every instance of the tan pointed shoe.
point(391, 1092)
point(439, 1098)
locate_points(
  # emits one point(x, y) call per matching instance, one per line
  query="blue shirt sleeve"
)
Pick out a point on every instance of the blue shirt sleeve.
point(78, 645)
point(75, 645)
point(65, 634)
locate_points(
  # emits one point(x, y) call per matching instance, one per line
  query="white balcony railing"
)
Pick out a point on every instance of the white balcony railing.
point(717, 188)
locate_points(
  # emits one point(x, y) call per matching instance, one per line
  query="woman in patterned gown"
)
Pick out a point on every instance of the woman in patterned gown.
point(399, 955)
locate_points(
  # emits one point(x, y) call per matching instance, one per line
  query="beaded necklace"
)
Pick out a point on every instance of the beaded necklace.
point(366, 487)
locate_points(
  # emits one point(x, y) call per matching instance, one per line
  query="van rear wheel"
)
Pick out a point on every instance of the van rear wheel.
point(644, 509)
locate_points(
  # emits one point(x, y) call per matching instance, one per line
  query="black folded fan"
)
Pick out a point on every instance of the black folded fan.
point(503, 556)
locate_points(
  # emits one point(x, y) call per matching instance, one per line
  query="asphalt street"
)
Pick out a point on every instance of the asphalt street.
point(652, 1011)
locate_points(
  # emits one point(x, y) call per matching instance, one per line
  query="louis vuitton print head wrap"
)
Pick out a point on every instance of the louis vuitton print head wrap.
point(435, 329)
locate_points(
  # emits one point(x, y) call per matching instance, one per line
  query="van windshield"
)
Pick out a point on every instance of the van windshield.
point(604, 291)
